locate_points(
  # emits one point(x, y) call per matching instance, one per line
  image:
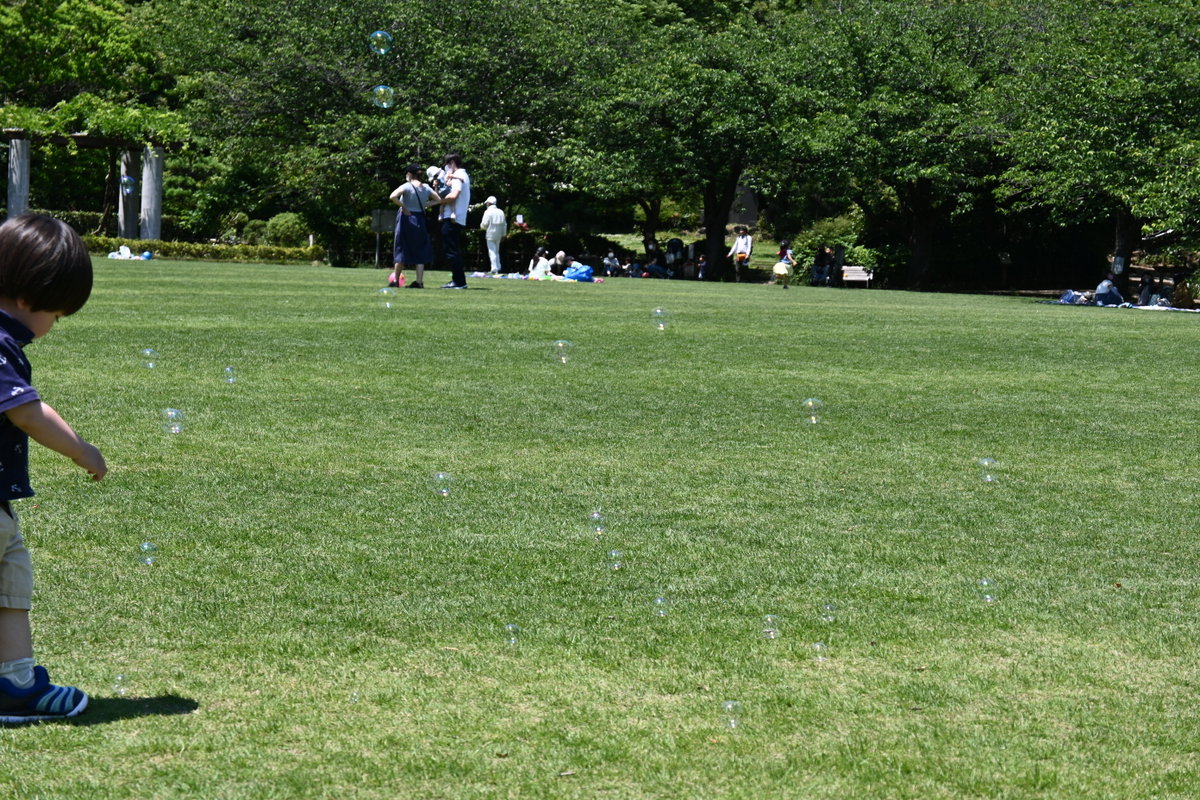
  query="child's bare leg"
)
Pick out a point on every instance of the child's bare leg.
point(16, 638)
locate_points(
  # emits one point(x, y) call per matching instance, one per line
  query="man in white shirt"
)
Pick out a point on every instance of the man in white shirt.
point(494, 226)
point(453, 216)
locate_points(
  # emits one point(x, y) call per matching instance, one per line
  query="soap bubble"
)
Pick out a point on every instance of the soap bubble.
point(381, 42)
point(147, 553)
point(441, 483)
point(616, 559)
point(812, 410)
point(383, 96)
point(770, 629)
point(987, 590)
point(596, 523)
point(661, 318)
point(172, 420)
point(560, 351)
point(149, 357)
point(987, 469)
point(820, 652)
point(128, 184)
point(386, 297)
point(230, 375)
point(355, 697)
point(512, 633)
point(733, 713)
point(828, 612)
point(661, 606)
point(121, 685)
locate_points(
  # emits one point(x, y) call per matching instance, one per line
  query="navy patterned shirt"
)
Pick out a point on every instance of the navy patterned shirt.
point(15, 390)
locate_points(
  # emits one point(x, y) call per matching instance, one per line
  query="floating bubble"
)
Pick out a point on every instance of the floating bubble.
point(987, 590)
point(596, 523)
point(121, 685)
point(441, 483)
point(733, 713)
point(381, 42)
point(820, 652)
point(661, 606)
point(147, 553)
point(987, 469)
point(661, 318)
point(386, 297)
point(828, 612)
point(512, 633)
point(770, 629)
point(230, 375)
point(560, 351)
point(383, 96)
point(128, 184)
point(172, 420)
point(149, 357)
point(616, 559)
point(812, 410)
point(355, 697)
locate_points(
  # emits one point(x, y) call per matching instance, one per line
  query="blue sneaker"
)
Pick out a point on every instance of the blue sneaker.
point(41, 701)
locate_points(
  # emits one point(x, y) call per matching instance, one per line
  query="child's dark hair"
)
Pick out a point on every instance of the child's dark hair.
point(45, 263)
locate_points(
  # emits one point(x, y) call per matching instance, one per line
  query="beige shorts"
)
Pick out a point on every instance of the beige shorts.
point(16, 568)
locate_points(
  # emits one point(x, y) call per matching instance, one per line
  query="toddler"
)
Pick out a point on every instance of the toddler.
point(45, 274)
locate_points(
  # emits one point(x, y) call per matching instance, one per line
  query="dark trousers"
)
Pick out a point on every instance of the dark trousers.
point(452, 245)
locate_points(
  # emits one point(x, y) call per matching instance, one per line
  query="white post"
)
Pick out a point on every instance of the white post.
point(152, 192)
point(127, 196)
point(18, 176)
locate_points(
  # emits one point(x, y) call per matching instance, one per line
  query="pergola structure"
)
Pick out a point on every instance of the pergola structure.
point(139, 214)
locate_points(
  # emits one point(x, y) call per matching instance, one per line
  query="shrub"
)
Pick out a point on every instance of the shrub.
point(254, 232)
point(287, 230)
point(208, 251)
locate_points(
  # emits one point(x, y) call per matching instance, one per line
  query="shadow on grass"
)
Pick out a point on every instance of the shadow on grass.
point(103, 710)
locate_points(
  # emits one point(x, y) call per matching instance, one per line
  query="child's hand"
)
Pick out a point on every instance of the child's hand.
point(91, 460)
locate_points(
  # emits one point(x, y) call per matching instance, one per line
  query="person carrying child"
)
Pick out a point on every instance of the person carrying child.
point(45, 274)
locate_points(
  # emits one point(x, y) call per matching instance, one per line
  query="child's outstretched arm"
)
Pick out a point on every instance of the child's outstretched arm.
point(47, 428)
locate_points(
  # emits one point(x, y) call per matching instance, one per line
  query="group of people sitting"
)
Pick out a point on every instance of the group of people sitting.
point(1152, 292)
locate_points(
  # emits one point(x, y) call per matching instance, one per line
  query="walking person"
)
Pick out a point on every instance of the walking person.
point(740, 252)
point(454, 218)
point(412, 244)
point(494, 227)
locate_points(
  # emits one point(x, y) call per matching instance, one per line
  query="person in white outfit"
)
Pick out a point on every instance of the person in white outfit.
point(494, 226)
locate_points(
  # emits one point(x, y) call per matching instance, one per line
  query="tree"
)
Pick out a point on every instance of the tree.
point(79, 66)
point(288, 99)
point(689, 112)
point(1102, 116)
point(907, 88)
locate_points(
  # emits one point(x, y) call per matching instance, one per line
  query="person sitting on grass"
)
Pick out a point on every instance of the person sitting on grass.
point(45, 274)
point(1107, 293)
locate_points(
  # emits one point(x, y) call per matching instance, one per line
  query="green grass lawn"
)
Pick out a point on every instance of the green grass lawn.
point(320, 624)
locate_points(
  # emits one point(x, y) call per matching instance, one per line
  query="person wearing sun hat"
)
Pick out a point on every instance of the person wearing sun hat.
point(494, 227)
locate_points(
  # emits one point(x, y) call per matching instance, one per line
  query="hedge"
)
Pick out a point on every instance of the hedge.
point(207, 251)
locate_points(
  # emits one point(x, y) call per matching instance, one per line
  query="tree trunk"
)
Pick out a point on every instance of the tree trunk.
point(719, 193)
point(1128, 236)
point(652, 208)
point(921, 234)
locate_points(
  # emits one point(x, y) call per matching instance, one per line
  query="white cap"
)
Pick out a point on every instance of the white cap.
point(432, 171)
point(491, 201)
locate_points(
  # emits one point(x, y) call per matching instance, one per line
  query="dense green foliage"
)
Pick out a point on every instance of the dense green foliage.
point(958, 130)
point(320, 625)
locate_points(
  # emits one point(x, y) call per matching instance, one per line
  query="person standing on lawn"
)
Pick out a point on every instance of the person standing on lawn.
point(45, 274)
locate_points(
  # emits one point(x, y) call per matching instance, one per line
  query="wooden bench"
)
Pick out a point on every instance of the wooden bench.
point(857, 274)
